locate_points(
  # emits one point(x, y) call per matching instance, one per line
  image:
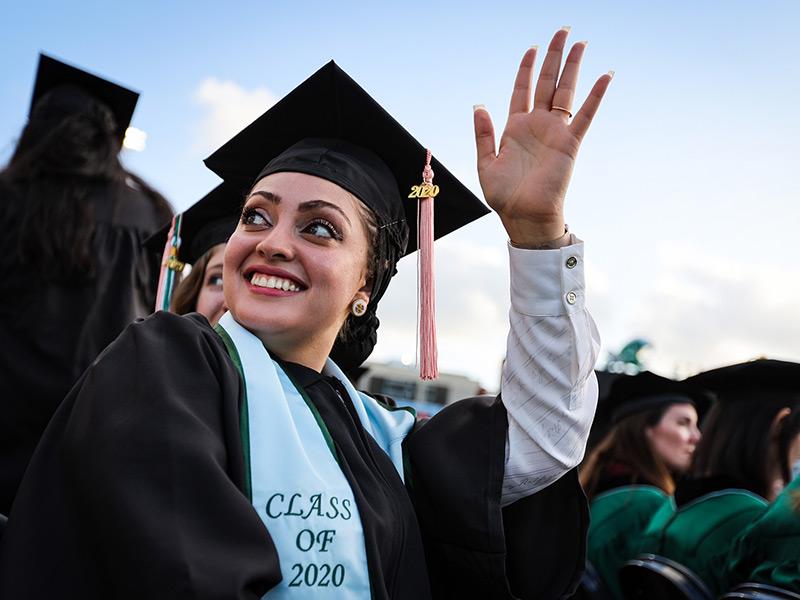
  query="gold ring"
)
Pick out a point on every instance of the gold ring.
point(566, 110)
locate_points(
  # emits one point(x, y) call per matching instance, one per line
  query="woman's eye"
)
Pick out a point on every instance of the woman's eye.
point(322, 228)
point(251, 216)
point(215, 280)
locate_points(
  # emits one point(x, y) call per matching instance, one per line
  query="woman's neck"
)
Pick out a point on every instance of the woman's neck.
point(311, 353)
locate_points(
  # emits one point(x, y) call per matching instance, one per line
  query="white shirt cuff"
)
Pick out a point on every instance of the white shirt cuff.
point(547, 283)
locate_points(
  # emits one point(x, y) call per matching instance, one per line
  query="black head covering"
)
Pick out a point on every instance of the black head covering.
point(645, 391)
point(67, 89)
point(208, 222)
point(329, 127)
point(750, 381)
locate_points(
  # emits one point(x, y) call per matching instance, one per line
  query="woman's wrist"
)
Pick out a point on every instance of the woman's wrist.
point(544, 238)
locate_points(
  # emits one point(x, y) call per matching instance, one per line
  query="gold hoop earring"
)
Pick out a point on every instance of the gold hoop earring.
point(359, 307)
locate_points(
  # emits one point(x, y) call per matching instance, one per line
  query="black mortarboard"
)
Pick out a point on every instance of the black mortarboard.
point(372, 156)
point(52, 74)
point(645, 391)
point(208, 222)
point(751, 380)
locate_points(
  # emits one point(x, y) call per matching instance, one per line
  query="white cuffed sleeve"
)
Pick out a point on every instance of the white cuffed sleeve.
point(549, 388)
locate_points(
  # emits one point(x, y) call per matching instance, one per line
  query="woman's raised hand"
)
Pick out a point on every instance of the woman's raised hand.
point(526, 180)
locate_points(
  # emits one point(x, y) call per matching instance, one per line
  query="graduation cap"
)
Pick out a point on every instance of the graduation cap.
point(52, 74)
point(208, 222)
point(751, 380)
point(646, 391)
point(330, 127)
point(329, 104)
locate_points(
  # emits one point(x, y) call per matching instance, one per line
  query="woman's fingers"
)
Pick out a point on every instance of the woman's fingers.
point(521, 96)
point(565, 92)
point(546, 86)
point(484, 137)
point(580, 124)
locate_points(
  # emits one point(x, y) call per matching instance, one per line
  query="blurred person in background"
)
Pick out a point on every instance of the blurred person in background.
point(201, 290)
point(768, 551)
point(741, 464)
point(73, 272)
point(633, 470)
point(204, 231)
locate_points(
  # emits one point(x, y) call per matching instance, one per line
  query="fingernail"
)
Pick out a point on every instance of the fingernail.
point(534, 48)
point(584, 42)
point(566, 28)
point(611, 74)
point(477, 107)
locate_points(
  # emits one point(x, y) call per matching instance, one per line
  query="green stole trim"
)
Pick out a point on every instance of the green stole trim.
point(244, 427)
point(244, 421)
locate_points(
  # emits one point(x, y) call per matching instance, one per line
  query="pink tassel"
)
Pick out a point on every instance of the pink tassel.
point(429, 358)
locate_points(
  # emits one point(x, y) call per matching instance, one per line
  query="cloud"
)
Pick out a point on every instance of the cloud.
point(228, 108)
point(704, 311)
point(471, 310)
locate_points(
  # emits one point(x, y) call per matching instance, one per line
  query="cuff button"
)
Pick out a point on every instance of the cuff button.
point(572, 297)
point(571, 262)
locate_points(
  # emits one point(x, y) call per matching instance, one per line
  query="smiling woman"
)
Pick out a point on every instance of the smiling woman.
point(239, 461)
point(316, 249)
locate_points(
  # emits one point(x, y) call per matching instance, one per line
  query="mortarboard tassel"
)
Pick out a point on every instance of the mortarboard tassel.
point(169, 265)
point(428, 367)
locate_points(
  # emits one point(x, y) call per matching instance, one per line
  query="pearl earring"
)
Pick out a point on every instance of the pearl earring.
point(359, 307)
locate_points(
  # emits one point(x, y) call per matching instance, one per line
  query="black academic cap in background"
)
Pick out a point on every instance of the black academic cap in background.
point(52, 74)
point(601, 424)
point(751, 380)
point(646, 390)
point(208, 222)
point(333, 129)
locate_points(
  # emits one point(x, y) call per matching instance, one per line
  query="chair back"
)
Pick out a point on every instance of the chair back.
point(760, 591)
point(652, 577)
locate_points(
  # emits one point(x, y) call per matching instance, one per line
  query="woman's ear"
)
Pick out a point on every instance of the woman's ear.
point(777, 421)
point(365, 292)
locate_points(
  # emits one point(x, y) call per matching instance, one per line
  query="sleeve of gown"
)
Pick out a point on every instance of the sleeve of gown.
point(549, 387)
point(135, 490)
point(479, 542)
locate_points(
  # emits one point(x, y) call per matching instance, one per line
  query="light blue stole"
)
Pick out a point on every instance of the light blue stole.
point(296, 484)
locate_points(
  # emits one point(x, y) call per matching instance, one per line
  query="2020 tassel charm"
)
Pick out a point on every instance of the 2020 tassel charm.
point(428, 358)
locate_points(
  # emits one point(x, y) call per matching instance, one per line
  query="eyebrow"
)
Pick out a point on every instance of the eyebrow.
point(304, 206)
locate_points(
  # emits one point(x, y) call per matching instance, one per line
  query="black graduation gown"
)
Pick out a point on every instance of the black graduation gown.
point(136, 490)
point(50, 332)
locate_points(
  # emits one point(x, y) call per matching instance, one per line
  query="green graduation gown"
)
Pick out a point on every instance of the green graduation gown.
point(768, 551)
point(698, 533)
point(618, 518)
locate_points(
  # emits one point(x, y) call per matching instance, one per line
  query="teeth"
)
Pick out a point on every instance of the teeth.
point(278, 283)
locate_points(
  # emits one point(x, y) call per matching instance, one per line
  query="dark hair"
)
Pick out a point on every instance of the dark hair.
point(61, 159)
point(349, 330)
point(184, 300)
point(738, 441)
point(627, 443)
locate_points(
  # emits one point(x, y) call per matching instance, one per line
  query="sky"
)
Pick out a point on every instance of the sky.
point(684, 191)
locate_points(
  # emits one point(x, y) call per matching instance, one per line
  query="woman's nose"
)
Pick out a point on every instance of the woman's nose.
point(695, 435)
point(277, 243)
